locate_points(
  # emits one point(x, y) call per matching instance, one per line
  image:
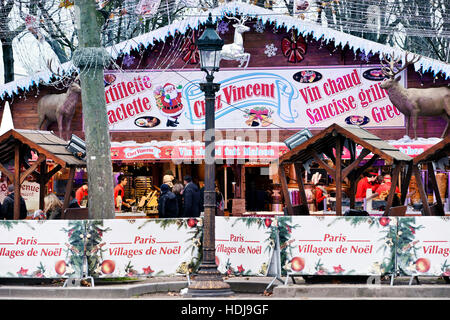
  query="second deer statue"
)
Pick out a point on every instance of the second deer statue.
point(414, 102)
point(59, 108)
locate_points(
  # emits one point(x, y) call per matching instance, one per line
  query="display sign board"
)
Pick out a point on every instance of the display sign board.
point(244, 246)
point(337, 245)
point(424, 246)
point(28, 190)
point(38, 249)
point(288, 98)
point(197, 151)
point(146, 247)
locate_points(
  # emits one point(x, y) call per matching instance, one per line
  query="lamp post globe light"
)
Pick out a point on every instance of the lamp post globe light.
point(208, 281)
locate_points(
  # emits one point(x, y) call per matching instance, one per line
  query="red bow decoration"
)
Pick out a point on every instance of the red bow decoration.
point(294, 48)
point(190, 51)
point(259, 113)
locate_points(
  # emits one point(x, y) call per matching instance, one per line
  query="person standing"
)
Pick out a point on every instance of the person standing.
point(52, 207)
point(364, 184)
point(119, 193)
point(178, 191)
point(191, 198)
point(7, 209)
point(169, 179)
point(73, 203)
point(220, 202)
point(385, 186)
point(320, 192)
point(82, 193)
point(167, 203)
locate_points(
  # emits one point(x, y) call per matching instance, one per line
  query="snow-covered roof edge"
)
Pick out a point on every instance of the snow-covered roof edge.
point(425, 64)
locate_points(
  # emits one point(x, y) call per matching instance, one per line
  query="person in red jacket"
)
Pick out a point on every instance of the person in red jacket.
point(318, 191)
point(386, 185)
point(320, 196)
point(82, 193)
point(119, 193)
point(364, 184)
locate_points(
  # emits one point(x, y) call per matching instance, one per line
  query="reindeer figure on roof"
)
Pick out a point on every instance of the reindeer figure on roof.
point(60, 107)
point(235, 50)
point(414, 102)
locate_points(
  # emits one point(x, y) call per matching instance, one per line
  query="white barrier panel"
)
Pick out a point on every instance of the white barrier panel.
point(244, 246)
point(145, 247)
point(337, 245)
point(38, 249)
point(423, 246)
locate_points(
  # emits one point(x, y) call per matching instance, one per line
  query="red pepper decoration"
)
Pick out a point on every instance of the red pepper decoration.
point(294, 48)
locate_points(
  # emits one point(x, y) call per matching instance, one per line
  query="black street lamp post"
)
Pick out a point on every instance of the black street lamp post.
point(208, 281)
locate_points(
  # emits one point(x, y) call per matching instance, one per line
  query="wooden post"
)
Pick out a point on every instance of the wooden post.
point(42, 183)
point(432, 179)
point(405, 183)
point(284, 188)
point(338, 176)
point(16, 181)
point(69, 187)
point(423, 195)
point(301, 186)
point(31, 169)
point(394, 181)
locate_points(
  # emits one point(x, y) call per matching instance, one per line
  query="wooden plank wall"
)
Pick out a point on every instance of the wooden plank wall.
point(24, 106)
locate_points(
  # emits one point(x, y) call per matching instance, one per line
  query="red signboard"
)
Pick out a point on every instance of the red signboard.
point(196, 152)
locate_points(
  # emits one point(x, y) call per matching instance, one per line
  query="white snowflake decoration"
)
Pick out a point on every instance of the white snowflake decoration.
point(222, 27)
point(259, 27)
point(271, 50)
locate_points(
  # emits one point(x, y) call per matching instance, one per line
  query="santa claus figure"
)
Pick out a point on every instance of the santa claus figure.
point(168, 98)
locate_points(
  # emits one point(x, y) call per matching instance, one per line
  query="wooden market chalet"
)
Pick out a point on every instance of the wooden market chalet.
point(277, 45)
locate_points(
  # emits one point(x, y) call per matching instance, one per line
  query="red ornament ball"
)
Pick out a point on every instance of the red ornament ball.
point(297, 264)
point(267, 222)
point(60, 267)
point(108, 266)
point(192, 223)
point(423, 265)
point(384, 221)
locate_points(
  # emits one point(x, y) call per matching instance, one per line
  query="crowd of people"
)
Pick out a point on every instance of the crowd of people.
point(176, 198)
point(186, 199)
point(371, 186)
point(378, 186)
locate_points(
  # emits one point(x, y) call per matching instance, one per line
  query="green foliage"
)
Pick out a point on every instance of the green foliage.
point(284, 229)
point(406, 245)
point(9, 224)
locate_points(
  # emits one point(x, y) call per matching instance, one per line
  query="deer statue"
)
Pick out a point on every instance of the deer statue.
point(413, 102)
point(235, 50)
point(59, 108)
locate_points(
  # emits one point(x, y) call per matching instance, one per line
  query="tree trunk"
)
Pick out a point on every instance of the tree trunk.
point(98, 145)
